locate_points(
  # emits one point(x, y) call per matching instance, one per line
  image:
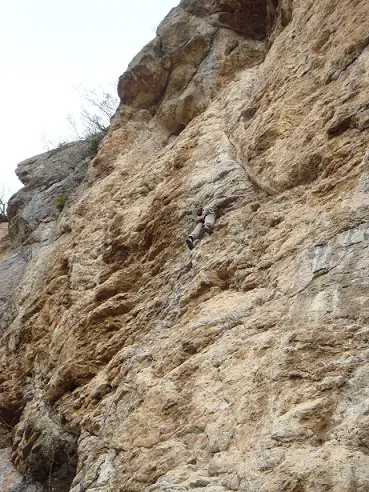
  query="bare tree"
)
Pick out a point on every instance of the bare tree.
point(92, 123)
point(3, 205)
point(98, 107)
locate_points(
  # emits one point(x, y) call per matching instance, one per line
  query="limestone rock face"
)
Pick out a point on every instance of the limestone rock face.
point(134, 364)
point(11, 270)
point(7, 275)
point(35, 220)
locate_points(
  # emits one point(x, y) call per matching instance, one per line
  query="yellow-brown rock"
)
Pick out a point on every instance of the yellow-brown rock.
point(134, 364)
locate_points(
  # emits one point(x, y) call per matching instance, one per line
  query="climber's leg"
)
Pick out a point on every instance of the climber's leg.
point(209, 222)
point(197, 233)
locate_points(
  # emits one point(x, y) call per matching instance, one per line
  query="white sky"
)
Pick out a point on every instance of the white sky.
point(47, 48)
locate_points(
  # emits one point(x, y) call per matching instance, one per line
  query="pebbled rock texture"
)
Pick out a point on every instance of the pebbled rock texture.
point(134, 364)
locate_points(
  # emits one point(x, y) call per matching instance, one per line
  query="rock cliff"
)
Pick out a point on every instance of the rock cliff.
point(130, 363)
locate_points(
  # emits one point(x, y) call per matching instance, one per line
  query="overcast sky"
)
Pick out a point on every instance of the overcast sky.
point(47, 48)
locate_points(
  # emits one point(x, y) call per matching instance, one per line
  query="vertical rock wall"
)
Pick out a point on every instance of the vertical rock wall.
point(134, 364)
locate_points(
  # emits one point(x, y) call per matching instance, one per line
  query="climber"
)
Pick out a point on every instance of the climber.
point(206, 217)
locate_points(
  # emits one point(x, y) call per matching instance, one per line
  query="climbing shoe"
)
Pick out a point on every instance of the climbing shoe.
point(189, 243)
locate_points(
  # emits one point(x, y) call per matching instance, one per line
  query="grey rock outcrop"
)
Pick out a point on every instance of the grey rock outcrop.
point(197, 51)
point(32, 210)
point(33, 214)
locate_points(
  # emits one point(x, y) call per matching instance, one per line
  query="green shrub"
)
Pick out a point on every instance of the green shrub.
point(60, 202)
